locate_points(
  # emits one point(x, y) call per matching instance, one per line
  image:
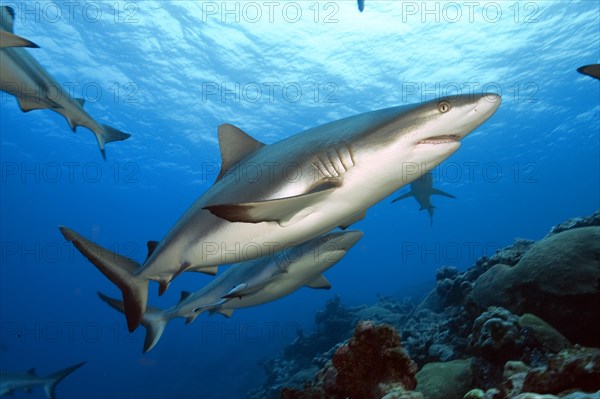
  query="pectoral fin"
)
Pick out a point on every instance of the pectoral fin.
point(284, 211)
point(403, 196)
point(355, 218)
point(211, 271)
point(8, 39)
point(320, 283)
point(440, 192)
point(27, 104)
point(245, 289)
point(225, 312)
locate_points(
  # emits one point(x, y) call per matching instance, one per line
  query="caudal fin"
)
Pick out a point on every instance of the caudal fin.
point(154, 320)
point(107, 135)
point(57, 377)
point(121, 270)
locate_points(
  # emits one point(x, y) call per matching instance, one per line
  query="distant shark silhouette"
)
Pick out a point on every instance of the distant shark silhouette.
point(22, 76)
point(10, 382)
point(422, 189)
point(592, 70)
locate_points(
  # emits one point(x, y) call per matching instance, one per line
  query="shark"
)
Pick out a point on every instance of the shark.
point(252, 283)
point(361, 5)
point(10, 382)
point(22, 76)
point(592, 70)
point(270, 197)
point(422, 189)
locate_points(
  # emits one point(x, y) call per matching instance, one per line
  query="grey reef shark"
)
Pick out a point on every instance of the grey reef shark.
point(592, 70)
point(422, 189)
point(10, 382)
point(361, 5)
point(252, 283)
point(22, 76)
point(301, 187)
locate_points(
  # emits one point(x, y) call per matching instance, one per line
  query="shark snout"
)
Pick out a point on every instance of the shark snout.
point(486, 104)
point(343, 240)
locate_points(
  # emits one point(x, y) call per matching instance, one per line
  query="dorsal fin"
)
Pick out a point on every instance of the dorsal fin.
point(31, 372)
point(235, 145)
point(8, 15)
point(184, 295)
point(81, 101)
point(151, 247)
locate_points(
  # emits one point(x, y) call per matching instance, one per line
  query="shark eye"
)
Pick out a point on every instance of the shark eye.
point(444, 107)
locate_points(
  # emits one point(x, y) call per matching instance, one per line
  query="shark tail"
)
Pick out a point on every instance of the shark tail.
point(109, 134)
point(122, 271)
point(54, 379)
point(154, 320)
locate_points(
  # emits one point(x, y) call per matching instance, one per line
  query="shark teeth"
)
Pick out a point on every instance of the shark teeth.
point(451, 138)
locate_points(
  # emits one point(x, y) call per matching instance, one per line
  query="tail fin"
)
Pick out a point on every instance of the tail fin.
point(57, 377)
point(154, 320)
point(120, 270)
point(107, 135)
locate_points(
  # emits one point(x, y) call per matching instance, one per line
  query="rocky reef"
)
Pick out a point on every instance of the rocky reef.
point(521, 323)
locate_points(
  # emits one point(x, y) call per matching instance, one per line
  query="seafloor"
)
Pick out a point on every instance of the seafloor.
point(523, 323)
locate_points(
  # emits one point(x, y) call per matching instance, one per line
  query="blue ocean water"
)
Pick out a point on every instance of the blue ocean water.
point(170, 72)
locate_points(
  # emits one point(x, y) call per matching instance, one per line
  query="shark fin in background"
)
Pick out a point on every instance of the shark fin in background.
point(154, 320)
point(8, 39)
point(151, 247)
point(435, 191)
point(184, 296)
point(109, 134)
point(320, 283)
point(225, 312)
point(54, 379)
point(282, 210)
point(361, 5)
point(235, 145)
point(403, 196)
point(592, 70)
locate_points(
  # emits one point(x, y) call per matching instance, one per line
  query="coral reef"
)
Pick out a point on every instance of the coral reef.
point(593, 220)
point(575, 368)
point(369, 366)
point(514, 316)
point(445, 380)
point(556, 280)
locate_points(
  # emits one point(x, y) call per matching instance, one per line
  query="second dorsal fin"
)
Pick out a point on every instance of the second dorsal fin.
point(151, 247)
point(184, 295)
point(235, 145)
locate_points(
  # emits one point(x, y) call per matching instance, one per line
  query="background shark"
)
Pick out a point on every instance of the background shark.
point(22, 76)
point(10, 382)
point(252, 283)
point(592, 70)
point(310, 183)
point(422, 189)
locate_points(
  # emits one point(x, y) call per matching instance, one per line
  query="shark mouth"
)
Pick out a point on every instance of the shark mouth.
point(450, 138)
